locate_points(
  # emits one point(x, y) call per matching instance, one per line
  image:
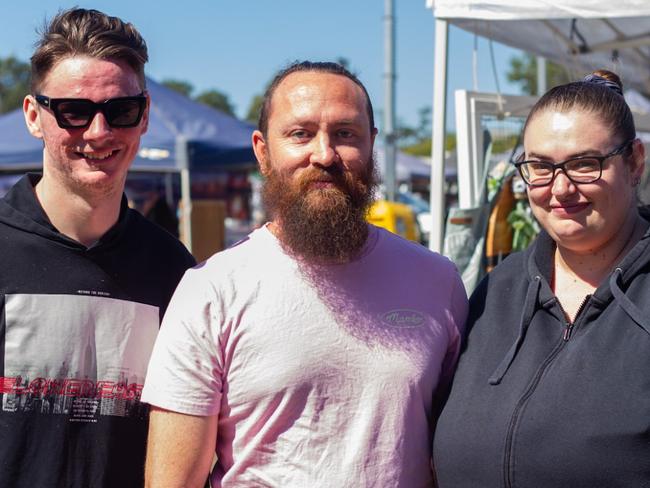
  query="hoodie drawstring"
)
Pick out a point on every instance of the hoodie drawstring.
point(625, 303)
point(530, 306)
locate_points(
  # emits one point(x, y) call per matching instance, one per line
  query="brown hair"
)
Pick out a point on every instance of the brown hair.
point(600, 93)
point(82, 32)
point(304, 66)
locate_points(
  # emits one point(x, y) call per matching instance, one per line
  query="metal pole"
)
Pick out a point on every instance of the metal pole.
point(389, 93)
point(437, 185)
point(541, 75)
point(183, 161)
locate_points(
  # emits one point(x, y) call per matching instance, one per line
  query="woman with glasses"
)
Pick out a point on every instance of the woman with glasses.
point(553, 386)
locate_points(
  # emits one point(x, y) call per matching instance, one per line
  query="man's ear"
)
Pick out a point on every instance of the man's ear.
point(261, 152)
point(32, 116)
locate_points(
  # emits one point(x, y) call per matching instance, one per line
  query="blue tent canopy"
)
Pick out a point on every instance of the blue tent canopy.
point(182, 134)
point(18, 149)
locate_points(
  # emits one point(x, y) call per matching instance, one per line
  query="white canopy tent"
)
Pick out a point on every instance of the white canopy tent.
point(580, 34)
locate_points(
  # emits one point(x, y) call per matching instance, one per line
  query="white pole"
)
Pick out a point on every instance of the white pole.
point(541, 75)
point(437, 185)
point(183, 161)
point(467, 197)
point(389, 100)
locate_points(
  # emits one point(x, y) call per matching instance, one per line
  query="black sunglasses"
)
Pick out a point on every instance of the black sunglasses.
point(77, 113)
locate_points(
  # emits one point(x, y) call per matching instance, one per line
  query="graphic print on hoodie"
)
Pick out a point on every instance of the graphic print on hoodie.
point(76, 355)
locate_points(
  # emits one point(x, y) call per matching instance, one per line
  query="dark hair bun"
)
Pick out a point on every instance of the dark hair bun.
point(607, 78)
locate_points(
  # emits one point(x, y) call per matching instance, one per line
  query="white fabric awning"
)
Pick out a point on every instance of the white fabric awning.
point(536, 9)
point(582, 35)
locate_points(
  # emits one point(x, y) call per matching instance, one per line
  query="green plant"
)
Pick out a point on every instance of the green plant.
point(525, 227)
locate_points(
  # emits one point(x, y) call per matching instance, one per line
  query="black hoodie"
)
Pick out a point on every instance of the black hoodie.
point(538, 402)
point(77, 326)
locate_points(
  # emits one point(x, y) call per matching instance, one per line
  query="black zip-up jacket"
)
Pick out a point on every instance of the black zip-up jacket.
point(538, 402)
point(77, 325)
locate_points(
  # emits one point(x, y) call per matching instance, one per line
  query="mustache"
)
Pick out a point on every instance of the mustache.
point(327, 174)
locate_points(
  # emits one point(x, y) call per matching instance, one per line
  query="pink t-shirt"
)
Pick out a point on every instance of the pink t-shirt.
point(320, 376)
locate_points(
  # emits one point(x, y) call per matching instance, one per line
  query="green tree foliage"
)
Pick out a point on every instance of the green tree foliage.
point(254, 108)
point(181, 86)
point(216, 99)
point(408, 136)
point(523, 71)
point(417, 140)
point(423, 147)
point(505, 143)
point(253, 113)
point(420, 148)
point(212, 98)
point(14, 83)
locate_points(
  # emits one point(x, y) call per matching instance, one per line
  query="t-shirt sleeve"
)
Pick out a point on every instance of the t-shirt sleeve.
point(185, 370)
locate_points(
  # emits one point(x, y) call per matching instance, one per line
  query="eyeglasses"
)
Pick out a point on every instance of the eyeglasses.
point(585, 169)
point(77, 113)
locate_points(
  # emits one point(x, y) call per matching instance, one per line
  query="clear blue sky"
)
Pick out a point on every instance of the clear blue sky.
point(237, 45)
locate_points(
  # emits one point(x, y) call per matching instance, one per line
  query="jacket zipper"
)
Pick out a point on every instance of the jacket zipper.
point(566, 335)
point(517, 411)
point(569, 326)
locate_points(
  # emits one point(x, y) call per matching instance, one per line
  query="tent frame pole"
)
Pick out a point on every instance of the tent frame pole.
point(390, 181)
point(437, 183)
point(183, 161)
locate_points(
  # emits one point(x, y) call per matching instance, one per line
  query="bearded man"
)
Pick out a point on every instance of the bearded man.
point(309, 354)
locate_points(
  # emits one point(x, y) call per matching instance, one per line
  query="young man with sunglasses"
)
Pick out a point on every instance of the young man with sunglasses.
point(84, 280)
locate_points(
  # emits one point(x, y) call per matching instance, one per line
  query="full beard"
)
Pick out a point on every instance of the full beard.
point(322, 225)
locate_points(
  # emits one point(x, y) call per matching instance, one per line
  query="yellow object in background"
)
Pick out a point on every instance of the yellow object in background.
point(395, 217)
